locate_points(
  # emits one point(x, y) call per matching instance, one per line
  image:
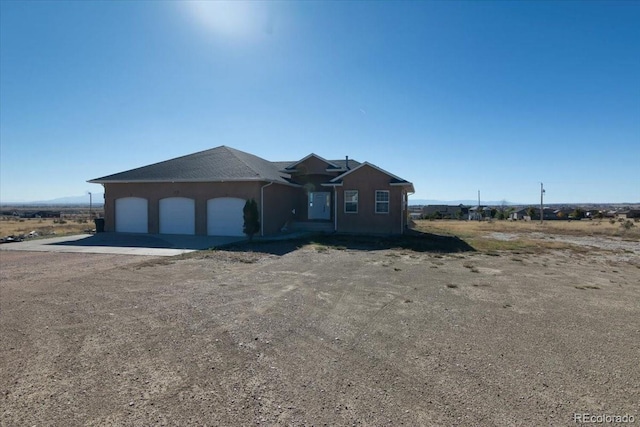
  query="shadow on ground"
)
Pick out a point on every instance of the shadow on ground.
point(167, 241)
point(414, 240)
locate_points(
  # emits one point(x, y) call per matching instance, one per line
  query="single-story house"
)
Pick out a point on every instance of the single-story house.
point(477, 213)
point(446, 211)
point(204, 194)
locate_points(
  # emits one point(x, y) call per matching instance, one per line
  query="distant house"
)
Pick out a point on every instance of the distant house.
point(520, 214)
point(477, 213)
point(204, 193)
point(628, 214)
point(445, 211)
point(523, 214)
point(562, 213)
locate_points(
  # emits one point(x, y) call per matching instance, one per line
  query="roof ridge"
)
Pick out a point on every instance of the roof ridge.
point(233, 152)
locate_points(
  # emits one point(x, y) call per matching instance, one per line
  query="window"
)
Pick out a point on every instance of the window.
point(382, 201)
point(351, 201)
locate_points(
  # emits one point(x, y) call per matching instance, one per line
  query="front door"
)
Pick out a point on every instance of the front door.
point(320, 205)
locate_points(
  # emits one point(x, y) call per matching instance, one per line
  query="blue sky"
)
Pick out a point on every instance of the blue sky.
point(454, 96)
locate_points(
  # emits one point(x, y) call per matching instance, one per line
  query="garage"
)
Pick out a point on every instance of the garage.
point(132, 215)
point(224, 216)
point(177, 215)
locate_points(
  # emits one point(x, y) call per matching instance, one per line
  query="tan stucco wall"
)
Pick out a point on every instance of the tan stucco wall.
point(200, 191)
point(367, 180)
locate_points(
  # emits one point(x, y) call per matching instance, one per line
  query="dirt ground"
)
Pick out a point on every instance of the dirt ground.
point(319, 335)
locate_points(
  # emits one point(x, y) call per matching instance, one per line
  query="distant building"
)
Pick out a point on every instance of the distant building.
point(628, 214)
point(476, 213)
point(445, 211)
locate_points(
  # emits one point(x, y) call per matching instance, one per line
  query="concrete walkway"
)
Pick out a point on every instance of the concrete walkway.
point(123, 244)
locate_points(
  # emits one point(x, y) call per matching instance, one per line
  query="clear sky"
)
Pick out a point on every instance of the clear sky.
point(454, 96)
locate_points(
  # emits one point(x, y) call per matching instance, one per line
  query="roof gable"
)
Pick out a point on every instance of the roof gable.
point(330, 164)
point(394, 179)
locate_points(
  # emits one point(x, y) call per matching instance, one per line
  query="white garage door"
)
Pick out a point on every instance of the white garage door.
point(224, 216)
point(132, 215)
point(177, 216)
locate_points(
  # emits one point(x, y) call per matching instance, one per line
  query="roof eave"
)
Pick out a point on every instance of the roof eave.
point(153, 181)
point(404, 184)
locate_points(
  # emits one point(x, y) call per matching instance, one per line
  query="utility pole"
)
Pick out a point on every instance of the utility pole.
point(478, 212)
point(90, 205)
point(541, 203)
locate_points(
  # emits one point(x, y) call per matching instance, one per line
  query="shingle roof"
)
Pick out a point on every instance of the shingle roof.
point(395, 180)
point(340, 163)
point(217, 164)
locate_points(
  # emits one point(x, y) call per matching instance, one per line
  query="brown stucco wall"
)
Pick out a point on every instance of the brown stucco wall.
point(200, 191)
point(312, 166)
point(311, 183)
point(367, 180)
point(279, 201)
point(311, 174)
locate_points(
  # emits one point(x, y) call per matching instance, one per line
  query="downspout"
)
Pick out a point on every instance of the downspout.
point(335, 209)
point(262, 207)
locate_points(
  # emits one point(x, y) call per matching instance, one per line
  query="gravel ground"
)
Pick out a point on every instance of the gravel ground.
point(317, 336)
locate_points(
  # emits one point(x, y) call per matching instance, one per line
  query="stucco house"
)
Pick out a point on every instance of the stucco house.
point(204, 193)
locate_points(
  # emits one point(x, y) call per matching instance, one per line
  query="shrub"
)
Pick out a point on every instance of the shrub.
point(250, 216)
point(627, 224)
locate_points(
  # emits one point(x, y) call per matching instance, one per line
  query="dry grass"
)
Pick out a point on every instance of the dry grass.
point(10, 226)
point(478, 233)
point(574, 228)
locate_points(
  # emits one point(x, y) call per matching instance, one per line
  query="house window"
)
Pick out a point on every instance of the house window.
point(382, 201)
point(351, 201)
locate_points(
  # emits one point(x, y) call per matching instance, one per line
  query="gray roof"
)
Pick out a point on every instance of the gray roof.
point(217, 164)
point(282, 165)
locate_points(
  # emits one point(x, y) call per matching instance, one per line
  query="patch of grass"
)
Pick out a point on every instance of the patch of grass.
point(471, 267)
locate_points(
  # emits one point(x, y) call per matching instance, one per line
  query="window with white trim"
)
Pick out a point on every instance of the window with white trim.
point(382, 201)
point(351, 201)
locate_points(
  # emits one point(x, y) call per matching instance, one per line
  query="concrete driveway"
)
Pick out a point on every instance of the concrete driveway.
point(124, 244)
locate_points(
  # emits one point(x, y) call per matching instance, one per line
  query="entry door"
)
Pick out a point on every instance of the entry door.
point(319, 205)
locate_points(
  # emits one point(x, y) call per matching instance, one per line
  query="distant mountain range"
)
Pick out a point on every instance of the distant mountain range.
point(97, 199)
point(460, 202)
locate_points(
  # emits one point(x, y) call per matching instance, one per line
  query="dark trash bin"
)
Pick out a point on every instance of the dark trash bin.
point(99, 225)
